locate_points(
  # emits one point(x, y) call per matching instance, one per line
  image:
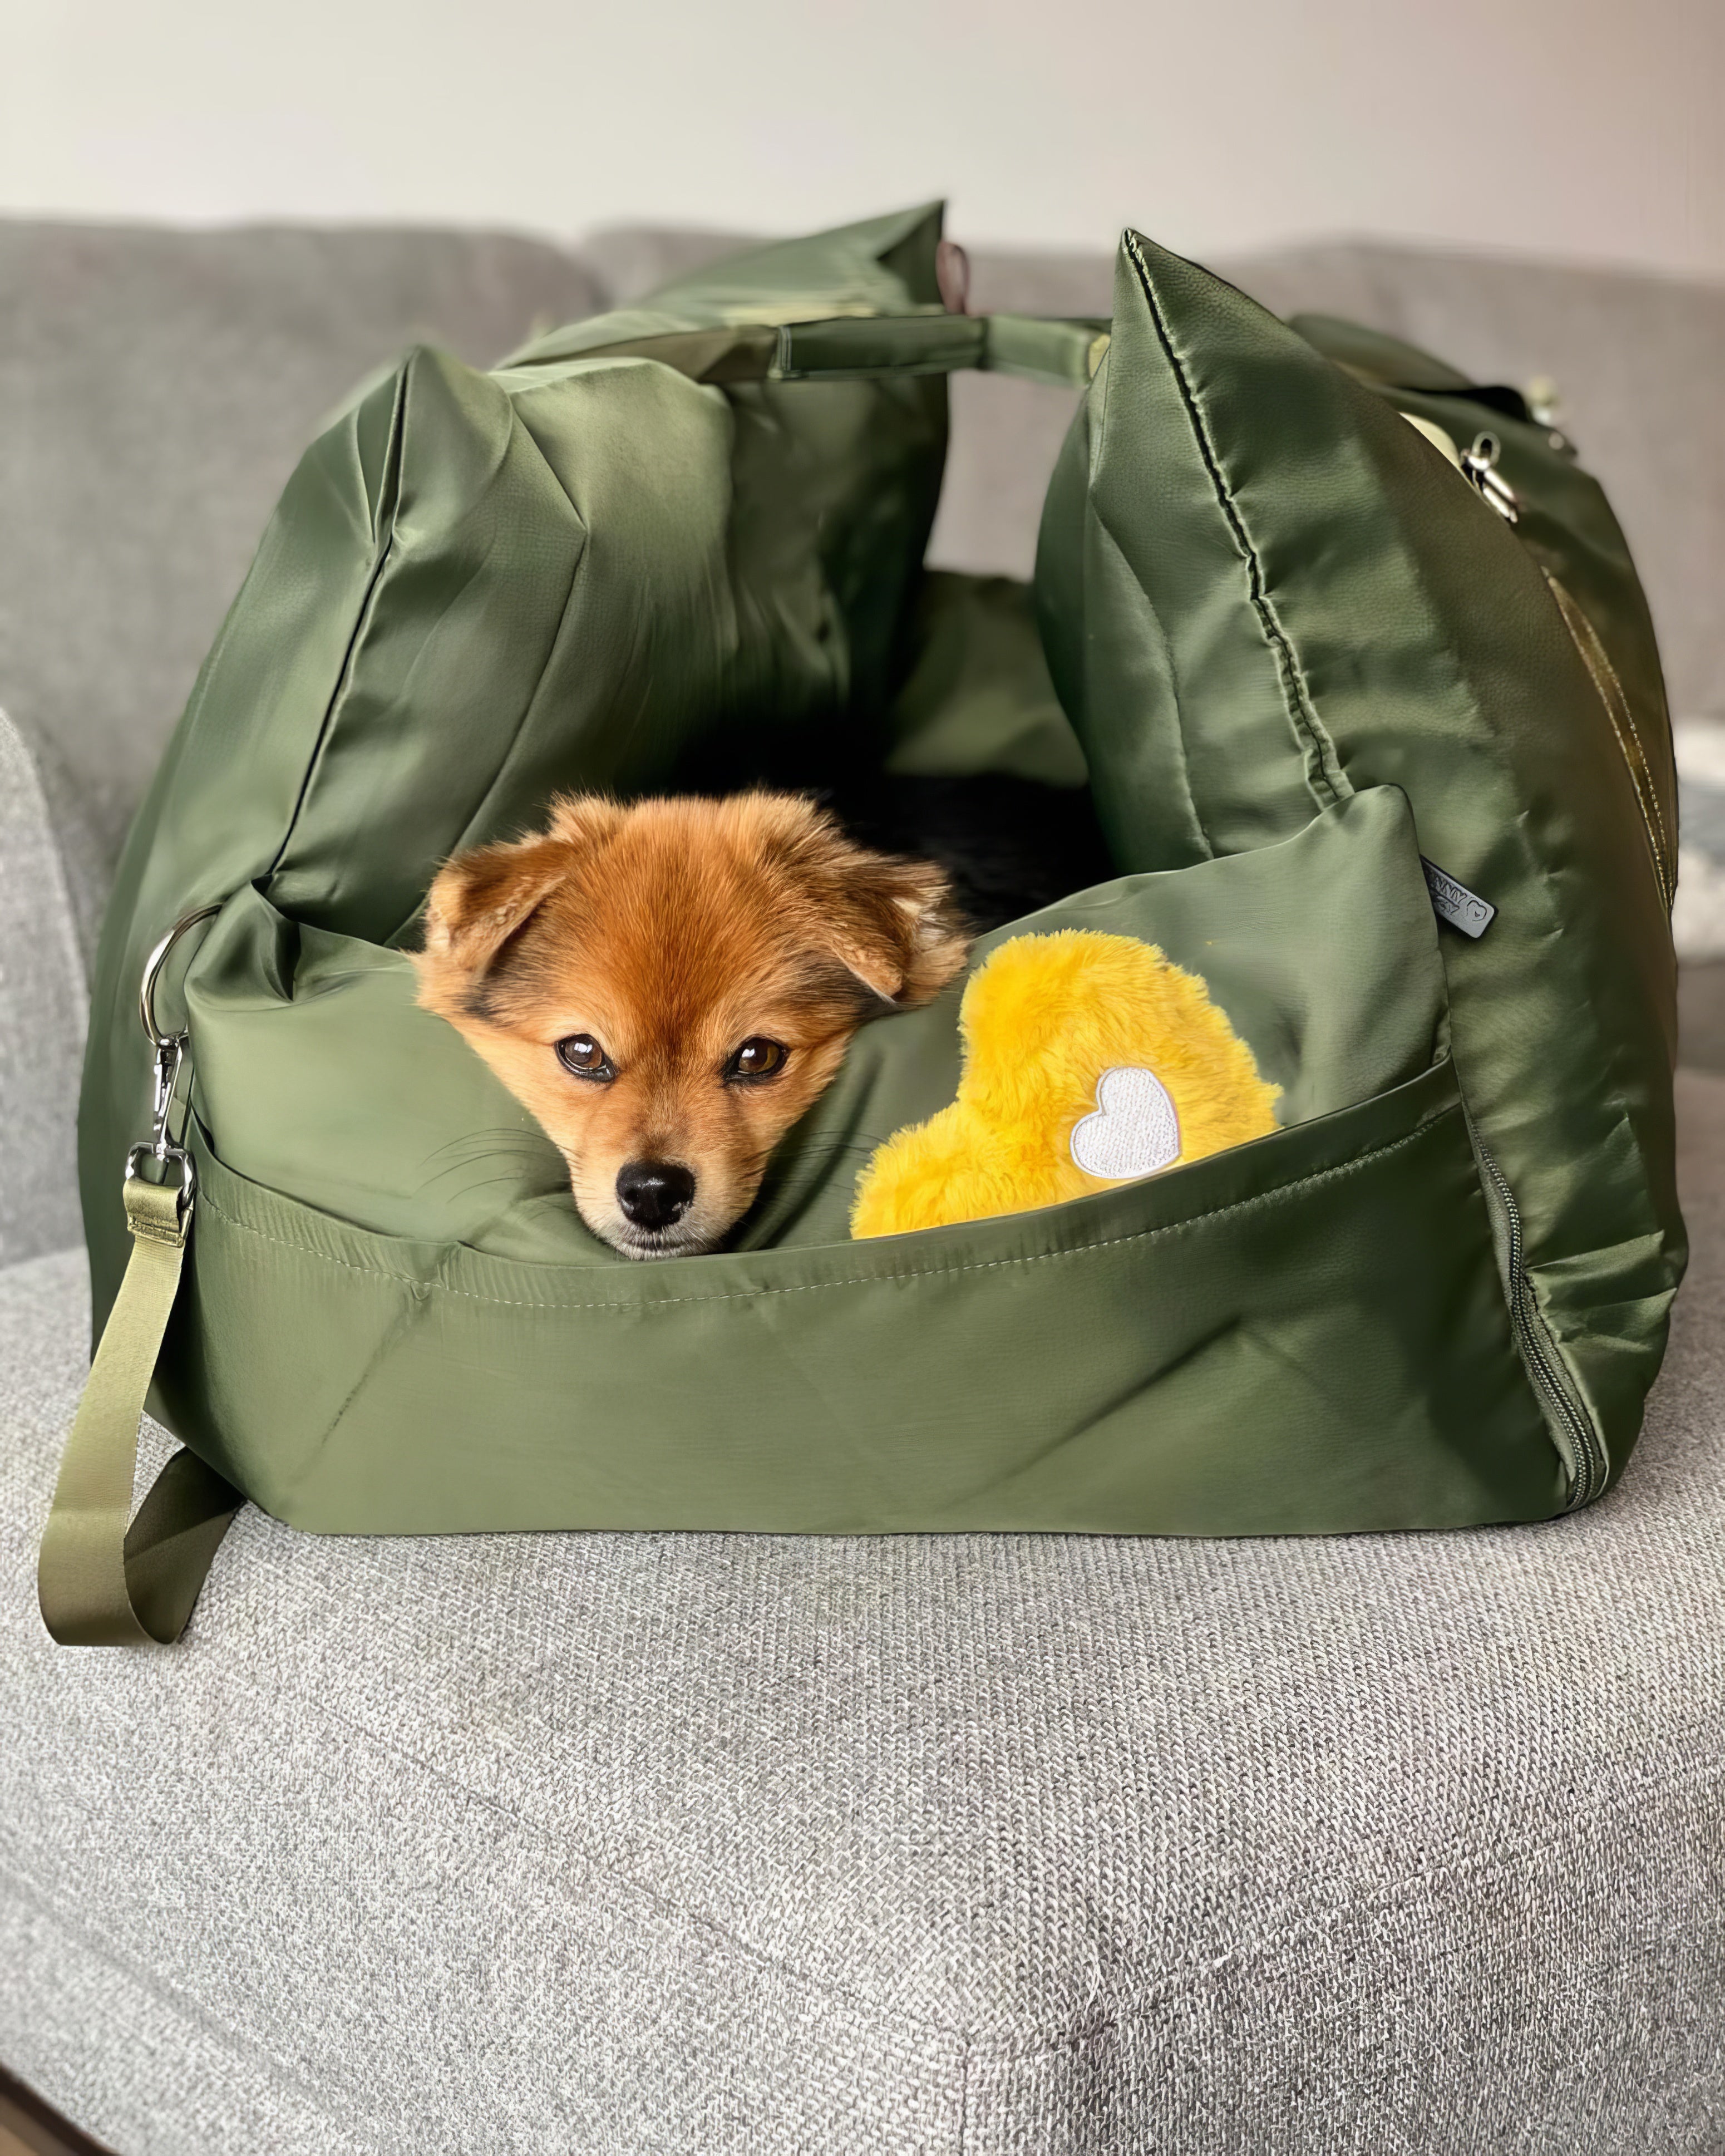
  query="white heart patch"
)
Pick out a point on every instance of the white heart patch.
point(1135, 1130)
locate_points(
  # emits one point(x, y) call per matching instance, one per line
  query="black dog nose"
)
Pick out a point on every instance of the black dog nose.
point(654, 1193)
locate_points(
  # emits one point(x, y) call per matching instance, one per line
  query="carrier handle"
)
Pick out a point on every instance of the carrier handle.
point(853, 347)
point(1063, 351)
point(101, 1583)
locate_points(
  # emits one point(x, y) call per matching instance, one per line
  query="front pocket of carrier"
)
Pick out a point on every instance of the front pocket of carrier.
point(1305, 1334)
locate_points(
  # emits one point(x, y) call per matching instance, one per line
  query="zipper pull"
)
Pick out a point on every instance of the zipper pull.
point(1480, 464)
point(1545, 408)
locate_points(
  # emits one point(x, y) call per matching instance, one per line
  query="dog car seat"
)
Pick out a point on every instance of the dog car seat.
point(1356, 662)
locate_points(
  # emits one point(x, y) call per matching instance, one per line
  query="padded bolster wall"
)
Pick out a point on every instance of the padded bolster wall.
point(1261, 588)
point(479, 587)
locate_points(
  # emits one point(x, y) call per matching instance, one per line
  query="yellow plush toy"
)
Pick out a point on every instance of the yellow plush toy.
point(1088, 1060)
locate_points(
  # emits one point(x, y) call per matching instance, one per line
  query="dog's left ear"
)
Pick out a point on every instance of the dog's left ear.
point(893, 924)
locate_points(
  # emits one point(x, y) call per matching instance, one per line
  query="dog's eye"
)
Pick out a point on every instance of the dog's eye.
point(757, 1057)
point(582, 1054)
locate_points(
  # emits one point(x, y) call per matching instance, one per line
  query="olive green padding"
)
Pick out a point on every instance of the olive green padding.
point(688, 536)
point(478, 588)
point(1217, 1351)
point(979, 697)
point(1260, 590)
point(1305, 1334)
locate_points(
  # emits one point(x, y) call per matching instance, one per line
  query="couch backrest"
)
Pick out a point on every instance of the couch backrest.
point(157, 388)
point(1640, 361)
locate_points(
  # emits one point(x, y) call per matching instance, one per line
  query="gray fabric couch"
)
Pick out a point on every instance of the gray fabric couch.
point(742, 1844)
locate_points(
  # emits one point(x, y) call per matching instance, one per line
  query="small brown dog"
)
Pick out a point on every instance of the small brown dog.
point(667, 986)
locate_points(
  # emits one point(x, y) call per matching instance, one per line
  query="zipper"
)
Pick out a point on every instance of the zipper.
point(1610, 690)
point(1571, 1428)
point(1480, 466)
point(1584, 1455)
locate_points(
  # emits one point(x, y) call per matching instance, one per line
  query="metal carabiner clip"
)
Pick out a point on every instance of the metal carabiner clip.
point(170, 1058)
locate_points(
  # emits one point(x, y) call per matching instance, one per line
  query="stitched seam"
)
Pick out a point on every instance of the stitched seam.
point(1623, 705)
point(1617, 710)
point(391, 481)
point(1297, 703)
point(1650, 811)
point(869, 1279)
point(1481, 1866)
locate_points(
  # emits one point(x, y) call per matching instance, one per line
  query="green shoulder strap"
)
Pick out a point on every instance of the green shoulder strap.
point(101, 1584)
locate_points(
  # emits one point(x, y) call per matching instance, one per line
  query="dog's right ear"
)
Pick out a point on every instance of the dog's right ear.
point(481, 899)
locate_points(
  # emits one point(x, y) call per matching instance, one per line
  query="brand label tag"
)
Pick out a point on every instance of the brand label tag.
point(1456, 903)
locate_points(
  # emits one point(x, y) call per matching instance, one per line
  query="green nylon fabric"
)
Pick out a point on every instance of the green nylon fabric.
point(782, 1387)
point(682, 536)
point(1261, 589)
point(1308, 1331)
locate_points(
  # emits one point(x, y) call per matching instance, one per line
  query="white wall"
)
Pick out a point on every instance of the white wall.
point(1588, 128)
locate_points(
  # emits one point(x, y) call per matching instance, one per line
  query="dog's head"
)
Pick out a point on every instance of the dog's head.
point(667, 986)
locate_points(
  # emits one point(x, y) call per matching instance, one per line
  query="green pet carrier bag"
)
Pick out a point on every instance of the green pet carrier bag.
point(1353, 658)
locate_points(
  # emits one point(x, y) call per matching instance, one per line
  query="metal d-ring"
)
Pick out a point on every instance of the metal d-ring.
point(153, 969)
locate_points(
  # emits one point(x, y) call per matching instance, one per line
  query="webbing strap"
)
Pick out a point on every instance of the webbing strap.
point(1034, 348)
point(100, 1584)
point(868, 348)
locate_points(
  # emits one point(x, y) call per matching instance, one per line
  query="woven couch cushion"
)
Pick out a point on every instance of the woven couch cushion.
point(982, 1843)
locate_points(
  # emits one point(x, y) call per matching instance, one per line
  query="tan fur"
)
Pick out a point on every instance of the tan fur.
point(671, 931)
